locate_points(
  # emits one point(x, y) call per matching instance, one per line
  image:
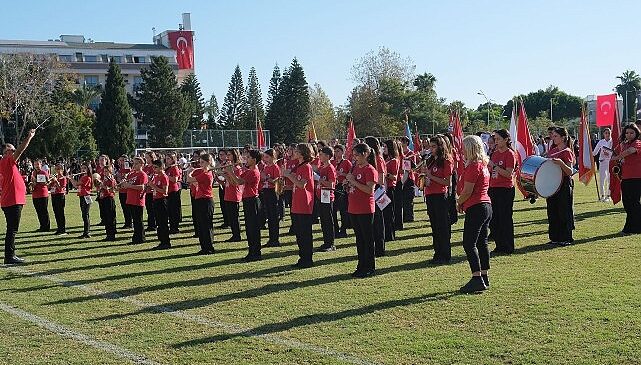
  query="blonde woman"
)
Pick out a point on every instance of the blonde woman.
point(476, 204)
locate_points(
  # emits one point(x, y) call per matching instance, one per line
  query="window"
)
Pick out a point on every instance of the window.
point(137, 82)
point(65, 58)
point(130, 58)
point(78, 56)
point(91, 80)
point(139, 59)
point(117, 59)
point(91, 58)
point(104, 58)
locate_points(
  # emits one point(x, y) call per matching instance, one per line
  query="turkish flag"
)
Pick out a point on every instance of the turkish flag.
point(459, 149)
point(351, 135)
point(606, 106)
point(183, 43)
point(523, 144)
point(615, 182)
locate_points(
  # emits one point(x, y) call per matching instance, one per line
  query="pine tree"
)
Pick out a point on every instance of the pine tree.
point(274, 109)
point(160, 105)
point(194, 102)
point(294, 95)
point(273, 86)
point(234, 106)
point(114, 118)
point(255, 109)
point(213, 113)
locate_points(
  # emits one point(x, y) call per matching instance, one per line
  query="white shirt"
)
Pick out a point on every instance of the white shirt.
point(604, 154)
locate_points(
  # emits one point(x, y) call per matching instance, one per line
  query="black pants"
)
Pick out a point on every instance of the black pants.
point(84, 210)
point(100, 209)
point(232, 216)
point(378, 232)
point(340, 206)
point(477, 220)
point(42, 210)
point(630, 195)
point(281, 207)
point(559, 210)
point(408, 201)
point(326, 214)
point(204, 216)
point(437, 211)
point(398, 206)
point(108, 214)
point(193, 215)
point(251, 208)
point(122, 197)
point(451, 199)
point(502, 224)
point(149, 205)
point(174, 207)
point(58, 205)
point(303, 230)
point(362, 224)
point(269, 205)
point(287, 198)
point(139, 229)
point(221, 199)
point(388, 216)
point(161, 209)
point(12, 217)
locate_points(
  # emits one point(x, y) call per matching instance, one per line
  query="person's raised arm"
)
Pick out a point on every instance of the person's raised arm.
point(23, 146)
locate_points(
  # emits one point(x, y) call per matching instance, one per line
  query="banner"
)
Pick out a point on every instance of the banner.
point(606, 108)
point(183, 43)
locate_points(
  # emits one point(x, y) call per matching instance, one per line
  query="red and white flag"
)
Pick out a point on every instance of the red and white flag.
point(459, 150)
point(606, 110)
point(523, 144)
point(351, 135)
point(586, 159)
point(260, 136)
point(615, 182)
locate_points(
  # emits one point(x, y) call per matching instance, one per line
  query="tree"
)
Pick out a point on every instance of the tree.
point(235, 104)
point(274, 82)
point(322, 114)
point(255, 109)
point(213, 113)
point(84, 95)
point(564, 106)
point(384, 64)
point(114, 118)
point(294, 98)
point(629, 86)
point(194, 102)
point(274, 107)
point(160, 105)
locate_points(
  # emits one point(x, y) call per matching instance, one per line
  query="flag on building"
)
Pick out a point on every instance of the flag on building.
point(586, 159)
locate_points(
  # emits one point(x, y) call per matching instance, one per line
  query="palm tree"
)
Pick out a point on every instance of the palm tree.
point(84, 95)
point(630, 84)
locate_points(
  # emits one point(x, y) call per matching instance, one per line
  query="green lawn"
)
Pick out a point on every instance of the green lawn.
point(577, 304)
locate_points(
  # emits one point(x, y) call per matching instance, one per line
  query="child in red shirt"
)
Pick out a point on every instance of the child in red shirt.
point(160, 187)
point(84, 186)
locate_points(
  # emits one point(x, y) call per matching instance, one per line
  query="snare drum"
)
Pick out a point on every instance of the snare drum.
point(540, 176)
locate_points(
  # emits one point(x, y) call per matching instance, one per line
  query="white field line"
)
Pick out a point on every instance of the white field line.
point(82, 338)
point(225, 327)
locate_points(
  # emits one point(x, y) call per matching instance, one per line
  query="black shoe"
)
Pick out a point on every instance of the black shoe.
point(150, 229)
point(195, 235)
point(252, 258)
point(174, 231)
point(379, 254)
point(486, 280)
point(341, 235)
point(275, 244)
point(223, 226)
point(355, 274)
point(303, 265)
point(161, 247)
point(324, 248)
point(126, 226)
point(85, 235)
point(108, 239)
point(15, 260)
point(233, 239)
point(475, 285)
point(363, 274)
point(205, 252)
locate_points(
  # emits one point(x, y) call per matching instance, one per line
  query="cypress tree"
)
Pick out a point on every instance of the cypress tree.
point(255, 109)
point(294, 95)
point(212, 111)
point(194, 102)
point(274, 82)
point(114, 119)
point(235, 104)
point(272, 117)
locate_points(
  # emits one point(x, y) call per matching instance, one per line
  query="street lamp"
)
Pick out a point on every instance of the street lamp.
point(551, 100)
point(488, 105)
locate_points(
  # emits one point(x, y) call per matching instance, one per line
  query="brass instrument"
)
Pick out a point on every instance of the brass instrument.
point(279, 186)
point(617, 169)
point(220, 168)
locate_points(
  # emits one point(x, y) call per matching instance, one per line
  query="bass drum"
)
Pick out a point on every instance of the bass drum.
point(540, 176)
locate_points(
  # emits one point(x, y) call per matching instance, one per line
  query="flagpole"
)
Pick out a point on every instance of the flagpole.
point(596, 179)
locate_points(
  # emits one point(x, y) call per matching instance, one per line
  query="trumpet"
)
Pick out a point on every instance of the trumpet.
point(617, 169)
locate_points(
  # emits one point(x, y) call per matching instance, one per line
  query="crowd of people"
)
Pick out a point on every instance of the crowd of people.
point(369, 188)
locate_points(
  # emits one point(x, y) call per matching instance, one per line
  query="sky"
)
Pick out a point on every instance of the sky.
point(503, 48)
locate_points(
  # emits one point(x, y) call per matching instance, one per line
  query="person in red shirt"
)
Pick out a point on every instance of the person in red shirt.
point(438, 171)
point(193, 187)
point(107, 191)
point(279, 150)
point(12, 196)
point(559, 206)
point(290, 164)
point(204, 204)
point(220, 178)
point(135, 184)
point(392, 165)
point(233, 195)
point(477, 206)
point(160, 186)
point(269, 202)
point(84, 185)
point(40, 195)
point(325, 197)
point(174, 204)
point(379, 223)
point(58, 192)
point(302, 209)
point(407, 184)
point(124, 169)
point(250, 180)
point(150, 157)
point(502, 164)
point(361, 182)
point(343, 167)
point(630, 159)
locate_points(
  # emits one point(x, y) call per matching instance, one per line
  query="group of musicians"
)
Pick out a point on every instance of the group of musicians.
point(370, 187)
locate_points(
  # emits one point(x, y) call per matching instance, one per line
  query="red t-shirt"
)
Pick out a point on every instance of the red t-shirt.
point(504, 160)
point(252, 180)
point(381, 168)
point(392, 166)
point(433, 187)
point(342, 167)
point(84, 185)
point(303, 199)
point(174, 171)
point(359, 202)
point(205, 181)
point(107, 183)
point(233, 193)
point(121, 175)
point(326, 173)
point(193, 187)
point(40, 190)
point(150, 170)
point(14, 191)
point(411, 157)
point(476, 172)
point(566, 155)
point(61, 188)
point(270, 173)
point(632, 163)
point(160, 181)
point(290, 165)
point(136, 197)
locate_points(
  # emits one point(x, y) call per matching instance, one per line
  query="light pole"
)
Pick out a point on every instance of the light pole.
point(551, 100)
point(627, 111)
point(488, 105)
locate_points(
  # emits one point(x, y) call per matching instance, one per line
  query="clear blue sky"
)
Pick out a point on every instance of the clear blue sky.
point(502, 47)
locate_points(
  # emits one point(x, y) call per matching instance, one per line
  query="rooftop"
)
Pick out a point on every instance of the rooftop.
point(81, 45)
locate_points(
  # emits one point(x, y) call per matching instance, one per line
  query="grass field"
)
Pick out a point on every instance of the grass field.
point(570, 305)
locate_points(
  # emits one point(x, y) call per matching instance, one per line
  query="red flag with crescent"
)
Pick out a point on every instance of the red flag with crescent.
point(183, 43)
point(606, 106)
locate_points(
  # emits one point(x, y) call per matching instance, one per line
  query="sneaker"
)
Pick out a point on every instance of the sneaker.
point(233, 239)
point(252, 258)
point(364, 274)
point(475, 285)
point(269, 244)
point(150, 229)
point(161, 247)
point(564, 243)
point(486, 280)
point(324, 248)
point(15, 260)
